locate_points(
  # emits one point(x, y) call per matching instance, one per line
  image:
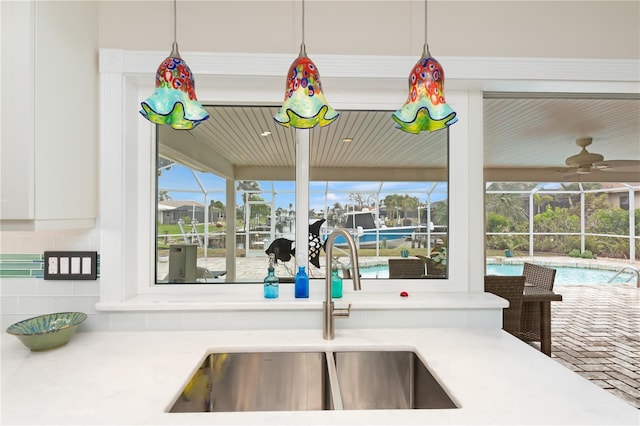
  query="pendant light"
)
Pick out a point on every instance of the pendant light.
point(304, 104)
point(425, 108)
point(174, 100)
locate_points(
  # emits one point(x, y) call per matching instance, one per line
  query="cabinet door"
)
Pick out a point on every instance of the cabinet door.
point(18, 129)
point(66, 111)
point(49, 115)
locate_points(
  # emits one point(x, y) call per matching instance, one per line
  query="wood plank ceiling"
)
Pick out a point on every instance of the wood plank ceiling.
point(525, 138)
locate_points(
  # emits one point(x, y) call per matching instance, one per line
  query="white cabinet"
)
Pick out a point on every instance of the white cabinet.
point(49, 119)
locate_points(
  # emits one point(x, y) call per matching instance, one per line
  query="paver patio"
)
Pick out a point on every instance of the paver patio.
point(596, 333)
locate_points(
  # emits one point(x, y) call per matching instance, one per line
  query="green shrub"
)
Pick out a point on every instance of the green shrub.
point(574, 253)
point(587, 254)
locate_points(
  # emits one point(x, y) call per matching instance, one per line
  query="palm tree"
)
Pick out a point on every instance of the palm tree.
point(541, 200)
point(440, 212)
point(509, 205)
point(392, 202)
point(408, 203)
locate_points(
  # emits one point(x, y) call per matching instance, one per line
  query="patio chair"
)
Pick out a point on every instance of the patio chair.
point(406, 268)
point(511, 288)
point(539, 276)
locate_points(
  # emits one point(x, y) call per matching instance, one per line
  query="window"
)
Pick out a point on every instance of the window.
point(128, 172)
point(387, 187)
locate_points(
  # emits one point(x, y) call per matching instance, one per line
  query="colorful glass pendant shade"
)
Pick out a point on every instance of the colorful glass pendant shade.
point(425, 108)
point(174, 100)
point(304, 104)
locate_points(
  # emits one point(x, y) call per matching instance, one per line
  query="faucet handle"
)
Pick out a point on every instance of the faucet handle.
point(342, 312)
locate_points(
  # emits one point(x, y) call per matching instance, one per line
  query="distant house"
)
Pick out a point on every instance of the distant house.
point(170, 211)
point(618, 196)
point(162, 211)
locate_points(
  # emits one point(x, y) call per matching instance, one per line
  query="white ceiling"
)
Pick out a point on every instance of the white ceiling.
point(540, 133)
point(525, 139)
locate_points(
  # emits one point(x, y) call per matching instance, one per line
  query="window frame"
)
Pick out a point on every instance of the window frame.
point(126, 154)
point(421, 184)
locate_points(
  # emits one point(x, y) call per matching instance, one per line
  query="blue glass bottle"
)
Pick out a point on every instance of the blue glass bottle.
point(336, 282)
point(271, 282)
point(302, 283)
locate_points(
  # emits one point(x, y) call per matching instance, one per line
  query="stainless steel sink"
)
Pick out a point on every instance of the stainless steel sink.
point(259, 381)
point(388, 380)
point(294, 381)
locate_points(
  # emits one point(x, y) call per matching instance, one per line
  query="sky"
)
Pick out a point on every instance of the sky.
point(180, 177)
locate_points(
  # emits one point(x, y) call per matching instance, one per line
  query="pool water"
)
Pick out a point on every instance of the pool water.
point(378, 271)
point(564, 275)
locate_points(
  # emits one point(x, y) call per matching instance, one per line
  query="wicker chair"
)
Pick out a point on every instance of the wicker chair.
point(539, 276)
point(510, 288)
point(406, 268)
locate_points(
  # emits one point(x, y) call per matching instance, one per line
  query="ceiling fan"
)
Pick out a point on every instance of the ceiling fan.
point(586, 162)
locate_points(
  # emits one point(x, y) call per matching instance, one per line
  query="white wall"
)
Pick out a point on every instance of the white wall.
point(552, 29)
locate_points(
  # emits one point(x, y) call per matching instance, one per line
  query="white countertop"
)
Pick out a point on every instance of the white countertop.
point(249, 297)
point(132, 377)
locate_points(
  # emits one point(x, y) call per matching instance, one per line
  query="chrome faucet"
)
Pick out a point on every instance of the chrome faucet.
point(328, 310)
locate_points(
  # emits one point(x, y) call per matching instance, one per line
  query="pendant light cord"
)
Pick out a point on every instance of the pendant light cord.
point(425, 50)
point(303, 49)
point(174, 47)
point(303, 23)
point(175, 21)
point(425, 22)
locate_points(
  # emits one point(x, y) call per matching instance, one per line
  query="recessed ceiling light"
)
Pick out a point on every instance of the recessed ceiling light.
point(265, 133)
point(347, 140)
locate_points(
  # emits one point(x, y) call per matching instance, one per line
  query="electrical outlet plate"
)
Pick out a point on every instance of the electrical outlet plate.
point(70, 265)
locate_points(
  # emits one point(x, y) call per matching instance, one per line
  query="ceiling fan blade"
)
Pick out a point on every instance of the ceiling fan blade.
point(570, 176)
point(631, 165)
point(558, 169)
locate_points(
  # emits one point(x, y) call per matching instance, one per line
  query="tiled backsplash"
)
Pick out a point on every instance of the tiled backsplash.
point(24, 266)
point(21, 265)
point(25, 293)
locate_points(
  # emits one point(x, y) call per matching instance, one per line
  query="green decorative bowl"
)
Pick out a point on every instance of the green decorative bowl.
point(47, 331)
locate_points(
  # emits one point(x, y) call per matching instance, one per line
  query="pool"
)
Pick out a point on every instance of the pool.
point(564, 275)
point(378, 271)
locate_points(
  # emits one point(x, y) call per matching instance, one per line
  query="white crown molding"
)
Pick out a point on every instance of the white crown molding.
point(462, 73)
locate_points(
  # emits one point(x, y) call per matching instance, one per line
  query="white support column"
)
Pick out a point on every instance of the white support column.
point(466, 209)
point(230, 217)
point(632, 226)
point(582, 220)
point(302, 197)
point(531, 230)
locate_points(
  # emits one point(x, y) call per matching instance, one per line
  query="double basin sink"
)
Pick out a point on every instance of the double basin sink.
point(295, 381)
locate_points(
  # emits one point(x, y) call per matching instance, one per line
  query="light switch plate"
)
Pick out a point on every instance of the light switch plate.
point(70, 265)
